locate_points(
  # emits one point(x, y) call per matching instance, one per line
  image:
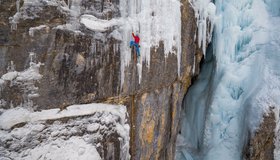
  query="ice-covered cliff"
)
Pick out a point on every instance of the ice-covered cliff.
point(82, 47)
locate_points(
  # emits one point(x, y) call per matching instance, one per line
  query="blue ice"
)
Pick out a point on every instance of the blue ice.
point(238, 82)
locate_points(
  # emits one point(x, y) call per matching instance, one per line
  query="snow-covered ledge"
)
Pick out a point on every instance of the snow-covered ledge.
point(18, 115)
point(77, 132)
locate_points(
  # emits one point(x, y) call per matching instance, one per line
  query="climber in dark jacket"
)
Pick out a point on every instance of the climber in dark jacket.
point(136, 43)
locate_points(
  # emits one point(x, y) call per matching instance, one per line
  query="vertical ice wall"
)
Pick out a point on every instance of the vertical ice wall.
point(155, 21)
point(246, 70)
point(245, 80)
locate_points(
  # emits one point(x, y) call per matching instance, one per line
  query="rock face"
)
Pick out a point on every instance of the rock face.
point(261, 145)
point(84, 66)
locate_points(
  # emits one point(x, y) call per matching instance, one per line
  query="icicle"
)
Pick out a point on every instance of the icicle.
point(13, 25)
point(194, 65)
point(75, 8)
point(34, 29)
point(31, 32)
point(154, 25)
point(31, 58)
point(11, 67)
point(69, 4)
point(17, 4)
point(204, 12)
point(13, 20)
point(2, 101)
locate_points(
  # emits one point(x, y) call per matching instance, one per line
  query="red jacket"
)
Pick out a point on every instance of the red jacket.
point(136, 38)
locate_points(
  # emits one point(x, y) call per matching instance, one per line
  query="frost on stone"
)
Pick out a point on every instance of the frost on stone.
point(26, 79)
point(116, 35)
point(79, 132)
point(32, 30)
point(31, 9)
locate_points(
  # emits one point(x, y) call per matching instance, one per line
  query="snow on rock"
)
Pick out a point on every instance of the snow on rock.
point(32, 73)
point(15, 116)
point(9, 76)
point(95, 24)
point(2, 102)
point(38, 28)
point(73, 148)
point(92, 127)
point(30, 10)
point(25, 80)
point(116, 35)
point(77, 132)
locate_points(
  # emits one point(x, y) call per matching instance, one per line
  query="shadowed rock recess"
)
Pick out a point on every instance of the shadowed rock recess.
point(83, 66)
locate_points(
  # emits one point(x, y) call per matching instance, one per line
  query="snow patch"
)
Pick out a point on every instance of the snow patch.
point(95, 24)
point(25, 80)
point(73, 148)
point(9, 76)
point(30, 74)
point(38, 28)
point(15, 116)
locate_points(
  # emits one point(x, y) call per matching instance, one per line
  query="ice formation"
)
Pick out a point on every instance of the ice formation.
point(205, 19)
point(154, 24)
point(148, 18)
point(244, 80)
point(26, 79)
point(38, 28)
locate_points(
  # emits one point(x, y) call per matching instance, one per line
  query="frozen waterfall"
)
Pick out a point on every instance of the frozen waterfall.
point(237, 86)
point(154, 25)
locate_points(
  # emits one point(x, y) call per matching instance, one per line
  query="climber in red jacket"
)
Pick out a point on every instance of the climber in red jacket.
point(136, 43)
point(136, 38)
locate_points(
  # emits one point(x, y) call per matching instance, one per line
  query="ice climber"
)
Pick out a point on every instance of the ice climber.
point(136, 43)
